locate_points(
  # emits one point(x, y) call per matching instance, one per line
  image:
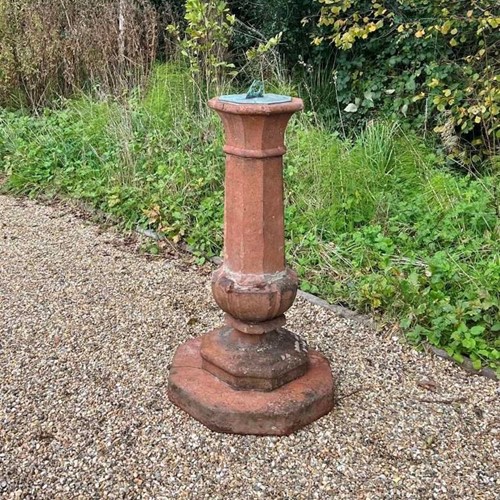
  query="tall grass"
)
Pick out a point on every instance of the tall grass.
point(54, 48)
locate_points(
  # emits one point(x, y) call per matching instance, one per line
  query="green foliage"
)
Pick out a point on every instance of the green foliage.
point(262, 20)
point(380, 226)
point(205, 41)
point(427, 62)
point(376, 223)
point(143, 162)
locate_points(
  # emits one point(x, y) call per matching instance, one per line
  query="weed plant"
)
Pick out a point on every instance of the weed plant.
point(376, 222)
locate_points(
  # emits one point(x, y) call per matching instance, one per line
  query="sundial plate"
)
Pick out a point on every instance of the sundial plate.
point(265, 99)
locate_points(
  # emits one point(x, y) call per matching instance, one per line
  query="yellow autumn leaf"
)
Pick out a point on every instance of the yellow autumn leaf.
point(446, 27)
point(494, 22)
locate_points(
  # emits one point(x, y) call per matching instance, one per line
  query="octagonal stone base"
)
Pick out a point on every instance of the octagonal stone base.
point(261, 362)
point(224, 409)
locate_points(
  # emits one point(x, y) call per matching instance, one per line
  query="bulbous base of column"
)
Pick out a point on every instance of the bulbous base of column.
point(224, 409)
point(254, 298)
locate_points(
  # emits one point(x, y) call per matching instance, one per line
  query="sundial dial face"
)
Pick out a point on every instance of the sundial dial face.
point(265, 99)
point(255, 95)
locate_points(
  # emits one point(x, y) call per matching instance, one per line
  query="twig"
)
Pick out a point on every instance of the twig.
point(352, 393)
point(460, 399)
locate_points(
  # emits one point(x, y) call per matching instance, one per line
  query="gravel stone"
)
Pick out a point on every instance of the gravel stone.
point(88, 327)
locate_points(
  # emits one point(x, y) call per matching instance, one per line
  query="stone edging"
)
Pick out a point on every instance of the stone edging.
point(367, 320)
point(341, 311)
point(466, 364)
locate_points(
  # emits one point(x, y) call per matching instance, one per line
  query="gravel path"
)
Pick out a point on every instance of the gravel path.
point(87, 331)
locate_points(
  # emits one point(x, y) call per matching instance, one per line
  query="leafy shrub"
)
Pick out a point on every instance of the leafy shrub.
point(204, 42)
point(381, 226)
point(261, 20)
point(430, 62)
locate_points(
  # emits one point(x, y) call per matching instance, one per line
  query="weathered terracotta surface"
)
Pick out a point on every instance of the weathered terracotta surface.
point(255, 328)
point(262, 362)
point(252, 376)
point(221, 408)
point(255, 130)
point(253, 285)
point(254, 297)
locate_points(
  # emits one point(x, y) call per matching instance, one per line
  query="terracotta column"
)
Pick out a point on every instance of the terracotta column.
point(252, 376)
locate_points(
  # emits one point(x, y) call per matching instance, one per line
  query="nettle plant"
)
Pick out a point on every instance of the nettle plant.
point(433, 62)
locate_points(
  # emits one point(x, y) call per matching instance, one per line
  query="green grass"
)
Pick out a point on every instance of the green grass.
point(376, 223)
